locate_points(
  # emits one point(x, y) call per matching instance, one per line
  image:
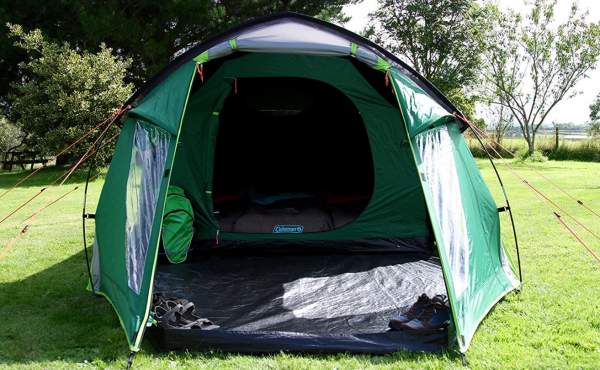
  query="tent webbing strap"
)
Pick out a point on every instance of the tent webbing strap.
point(353, 49)
point(202, 58)
point(382, 65)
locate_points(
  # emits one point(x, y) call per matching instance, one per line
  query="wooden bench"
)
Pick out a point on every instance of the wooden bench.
point(22, 159)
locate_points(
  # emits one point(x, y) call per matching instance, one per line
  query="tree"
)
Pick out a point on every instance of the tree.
point(531, 66)
point(149, 32)
point(594, 128)
point(441, 39)
point(11, 135)
point(595, 109)
point(501, 120)
point(64, 92)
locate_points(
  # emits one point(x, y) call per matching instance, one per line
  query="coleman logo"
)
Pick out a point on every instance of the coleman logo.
point(288, 229)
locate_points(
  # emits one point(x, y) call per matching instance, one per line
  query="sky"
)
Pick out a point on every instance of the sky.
point(575, 110)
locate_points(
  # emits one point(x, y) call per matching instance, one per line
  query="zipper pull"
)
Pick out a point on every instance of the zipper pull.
point(217, 238)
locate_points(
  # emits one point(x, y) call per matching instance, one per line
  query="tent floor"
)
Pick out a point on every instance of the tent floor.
point(301, 302)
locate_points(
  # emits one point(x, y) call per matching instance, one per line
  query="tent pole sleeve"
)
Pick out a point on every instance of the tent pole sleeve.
point(508, 207)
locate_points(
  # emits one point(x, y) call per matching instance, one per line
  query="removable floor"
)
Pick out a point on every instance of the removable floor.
point(333, 301)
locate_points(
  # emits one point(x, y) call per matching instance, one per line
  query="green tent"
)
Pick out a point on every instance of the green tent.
point(330, 186)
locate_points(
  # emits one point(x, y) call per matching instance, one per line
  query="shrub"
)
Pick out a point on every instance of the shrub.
point(536, 156)
point(572, 150)
point(65, 92)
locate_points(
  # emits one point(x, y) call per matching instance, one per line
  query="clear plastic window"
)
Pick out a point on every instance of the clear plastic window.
point(438, 165)
point(146, 169)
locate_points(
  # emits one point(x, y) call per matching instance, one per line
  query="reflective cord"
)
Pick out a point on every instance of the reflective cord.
point(577, 237)
point(22, 205)
point(87, 153)
point(537, 191)
point(108, 120)
point(32, 217)
point(478, 133)
point(40, 209)
point(12, 243)
point(64, 176)
point(578, 201)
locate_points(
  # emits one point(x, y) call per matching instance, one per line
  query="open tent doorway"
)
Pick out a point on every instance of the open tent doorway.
point(290, 151)
point(312, 242)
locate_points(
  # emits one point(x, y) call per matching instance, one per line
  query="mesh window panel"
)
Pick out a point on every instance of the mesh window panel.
point(146, 169)
point(437, 160)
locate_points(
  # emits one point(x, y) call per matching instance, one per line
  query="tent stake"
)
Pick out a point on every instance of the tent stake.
point(130, 360)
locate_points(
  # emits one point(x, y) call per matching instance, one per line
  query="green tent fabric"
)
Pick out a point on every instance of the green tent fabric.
point(425, 181)
point(164, 107)
point(490, 276)
point(112, 213)
point(111, 277)
point(420, 111)
point(178, 225)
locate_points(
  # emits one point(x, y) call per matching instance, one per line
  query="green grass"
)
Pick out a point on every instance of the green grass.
point(568, 150)
point(49, 320)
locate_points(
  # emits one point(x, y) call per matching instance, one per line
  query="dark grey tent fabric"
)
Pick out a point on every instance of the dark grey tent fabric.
point(303, 302)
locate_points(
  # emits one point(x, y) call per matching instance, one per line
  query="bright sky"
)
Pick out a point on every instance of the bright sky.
point(574, 110)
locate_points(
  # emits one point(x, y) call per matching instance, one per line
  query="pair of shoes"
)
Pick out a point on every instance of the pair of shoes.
point(427, 314)
point(179, 314)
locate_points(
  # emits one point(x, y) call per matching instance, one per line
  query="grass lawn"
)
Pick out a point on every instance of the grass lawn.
point(49, 320)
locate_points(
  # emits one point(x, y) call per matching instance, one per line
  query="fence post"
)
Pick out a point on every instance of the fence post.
point(556, 138)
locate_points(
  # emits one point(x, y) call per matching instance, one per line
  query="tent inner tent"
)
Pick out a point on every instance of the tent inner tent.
point(329, 186)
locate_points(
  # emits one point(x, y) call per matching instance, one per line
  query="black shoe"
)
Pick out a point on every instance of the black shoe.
point(435, 317)
point(413, 312)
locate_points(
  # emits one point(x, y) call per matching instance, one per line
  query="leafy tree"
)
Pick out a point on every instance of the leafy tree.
point(442, 39)
point(149, 32)
point(501, 120)
point(594, 128)
point(64, 92)
point(531, 66)
point(11, 135)
point(595, 109)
